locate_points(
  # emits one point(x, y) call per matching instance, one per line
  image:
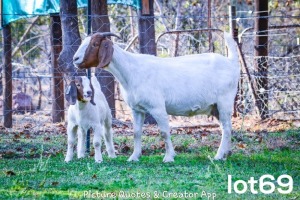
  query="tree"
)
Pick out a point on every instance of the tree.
point(70, 36)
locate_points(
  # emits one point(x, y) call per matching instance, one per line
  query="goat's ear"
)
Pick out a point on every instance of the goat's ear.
point(71, 93)
point(93, 94)
point(105, 53)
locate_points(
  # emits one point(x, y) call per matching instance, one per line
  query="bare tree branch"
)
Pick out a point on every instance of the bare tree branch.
point(16, 49)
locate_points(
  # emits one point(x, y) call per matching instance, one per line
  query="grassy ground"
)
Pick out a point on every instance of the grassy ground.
point(32, 167)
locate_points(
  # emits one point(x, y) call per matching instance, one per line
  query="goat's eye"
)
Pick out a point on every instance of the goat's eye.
point(77, 85)
point(95, 44)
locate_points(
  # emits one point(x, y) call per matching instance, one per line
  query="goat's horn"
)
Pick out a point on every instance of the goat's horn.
point(107, 34)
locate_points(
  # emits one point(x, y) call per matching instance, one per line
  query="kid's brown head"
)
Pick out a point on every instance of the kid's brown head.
point(80, 89)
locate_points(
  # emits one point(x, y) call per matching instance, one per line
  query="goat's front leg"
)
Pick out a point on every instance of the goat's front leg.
point(98, 132)
point(71, 130)
point(139, 119)
point(108, 139)
point(225, 146)
point(81, 145)
point(162, 120)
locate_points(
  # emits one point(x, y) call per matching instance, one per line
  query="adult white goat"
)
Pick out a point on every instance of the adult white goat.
point(182, 86)
point(88, 109)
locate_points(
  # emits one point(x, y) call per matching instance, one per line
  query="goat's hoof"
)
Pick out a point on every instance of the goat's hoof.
point(112, 156)
point(219, 158)
point(168, 159)
point(79, 156)
point(133, 159)
point(98, 161)
point(67, 160)
point(222, 156)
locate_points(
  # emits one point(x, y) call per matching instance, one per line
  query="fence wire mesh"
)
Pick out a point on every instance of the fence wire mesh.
point(180, 30)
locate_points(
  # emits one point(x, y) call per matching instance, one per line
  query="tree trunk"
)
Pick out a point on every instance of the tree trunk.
point(100, 23)
point(147, 37)
point(58, 113)
point(7, 66)
point(70, 37)
point(261, 52)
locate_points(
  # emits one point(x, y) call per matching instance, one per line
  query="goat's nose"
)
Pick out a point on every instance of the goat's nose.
point(89, 93)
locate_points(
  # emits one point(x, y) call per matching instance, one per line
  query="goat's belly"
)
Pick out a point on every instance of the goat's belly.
point(188, 110)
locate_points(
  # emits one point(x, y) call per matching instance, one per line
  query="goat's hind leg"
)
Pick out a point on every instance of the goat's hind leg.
point(138, 119)
point(71, 130)
point(225, 121)
point(162, 120)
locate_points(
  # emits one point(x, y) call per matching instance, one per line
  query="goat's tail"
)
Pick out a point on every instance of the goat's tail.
point(231, 46)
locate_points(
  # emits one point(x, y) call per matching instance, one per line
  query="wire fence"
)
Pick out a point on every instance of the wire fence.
point(195, 30)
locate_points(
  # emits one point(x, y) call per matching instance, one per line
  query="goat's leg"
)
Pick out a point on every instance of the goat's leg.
point(71, 130)
point(225, 146)
point(162, 120)
point(108, 139)
point(81, 146)
point(139, 119)
point(98, 131)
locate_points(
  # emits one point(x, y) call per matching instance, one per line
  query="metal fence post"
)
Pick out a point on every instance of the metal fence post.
point(234, 33)
point(89, 28)
point(261, 52)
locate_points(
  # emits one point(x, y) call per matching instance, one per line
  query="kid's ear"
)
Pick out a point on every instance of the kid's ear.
point(71, 93)
point(105, 53)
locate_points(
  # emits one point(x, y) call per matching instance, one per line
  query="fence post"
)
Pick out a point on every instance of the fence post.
point(7, 66)
point(147, 36)
point(89, 31)
point(58, 102)
point(210, 45)
point(261, 53)
point(234, 33)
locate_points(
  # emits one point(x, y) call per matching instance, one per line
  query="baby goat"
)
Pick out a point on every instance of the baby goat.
point(182, 86)
point(88, 109)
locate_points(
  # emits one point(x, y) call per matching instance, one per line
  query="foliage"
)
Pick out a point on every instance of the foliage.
point(32, 165)
point(193, 173)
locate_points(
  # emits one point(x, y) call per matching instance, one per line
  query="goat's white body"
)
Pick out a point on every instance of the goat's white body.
point(84, 115)
point(184, 86)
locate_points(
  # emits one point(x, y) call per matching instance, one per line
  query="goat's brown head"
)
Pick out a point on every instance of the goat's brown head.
point(95, 51)
point(80, 89)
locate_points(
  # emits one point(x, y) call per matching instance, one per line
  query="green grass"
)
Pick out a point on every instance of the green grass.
point(38, 170)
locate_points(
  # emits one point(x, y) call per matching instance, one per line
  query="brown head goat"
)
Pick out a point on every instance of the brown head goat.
point(180, 86)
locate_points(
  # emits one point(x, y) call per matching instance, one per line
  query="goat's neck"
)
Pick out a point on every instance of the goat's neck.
point(122, 66)
point(80, 104)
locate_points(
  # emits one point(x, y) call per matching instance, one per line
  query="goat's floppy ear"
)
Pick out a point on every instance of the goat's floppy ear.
point(71, 93)
point(105, 53)
point(93, 94)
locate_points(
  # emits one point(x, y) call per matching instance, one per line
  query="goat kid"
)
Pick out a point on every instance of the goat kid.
point(181, 86)
point(88, 109)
